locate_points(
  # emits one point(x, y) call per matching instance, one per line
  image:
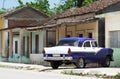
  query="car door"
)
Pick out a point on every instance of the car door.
point(89, 51)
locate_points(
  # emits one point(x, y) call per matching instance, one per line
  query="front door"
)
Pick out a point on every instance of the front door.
point(16, 48)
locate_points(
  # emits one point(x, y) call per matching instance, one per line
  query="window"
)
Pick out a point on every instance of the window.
point(24, 46)
point(68, 43)
point(80, 35)
point(68, 36)
point(16, 47)
point(115, 39)
point(37, 43)
point(87, 44)
point(94, 44)
point(28, 46)
point(89, 35)
point(80, 44)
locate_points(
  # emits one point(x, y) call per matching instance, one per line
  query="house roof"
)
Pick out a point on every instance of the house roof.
point(90, 8)
point(19, 9)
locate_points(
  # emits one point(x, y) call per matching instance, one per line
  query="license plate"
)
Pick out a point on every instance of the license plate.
point(56, 55)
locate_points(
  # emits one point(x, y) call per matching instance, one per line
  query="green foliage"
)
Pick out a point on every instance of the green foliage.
point(88, 1)
point(3, 10)
point(43, 5)
point(67, 4)
point(117, 76)
point(20, 3)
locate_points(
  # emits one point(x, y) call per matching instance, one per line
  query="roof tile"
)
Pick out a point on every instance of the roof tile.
point(91, 8)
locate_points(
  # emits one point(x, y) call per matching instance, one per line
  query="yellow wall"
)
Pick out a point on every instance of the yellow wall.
point(88, 27)
point(2, 25)
point(73, 31)
point(61, 32)
point(2, 22)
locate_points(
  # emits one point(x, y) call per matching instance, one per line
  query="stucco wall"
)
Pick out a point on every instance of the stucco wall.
point(85, 28)
point(116, 57)
point(112, 23)
point(61, 32)
point(2, 22)
point(89, 27)
point(41, 41)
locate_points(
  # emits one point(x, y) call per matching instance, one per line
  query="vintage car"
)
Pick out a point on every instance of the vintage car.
point(78, 51)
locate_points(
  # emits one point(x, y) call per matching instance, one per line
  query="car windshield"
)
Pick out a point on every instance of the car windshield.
point(69, 43)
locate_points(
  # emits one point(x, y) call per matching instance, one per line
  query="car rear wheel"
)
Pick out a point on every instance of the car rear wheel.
point(80, 63)
point(54, 64)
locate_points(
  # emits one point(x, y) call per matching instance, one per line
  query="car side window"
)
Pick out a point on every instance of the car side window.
point(87, 44)
point(79, 44)
point(94, 44)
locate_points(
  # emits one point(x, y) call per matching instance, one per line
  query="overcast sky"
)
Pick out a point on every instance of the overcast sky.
point(12, 3)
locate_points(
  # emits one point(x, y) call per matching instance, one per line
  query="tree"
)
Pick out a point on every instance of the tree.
point(88, 1)
point(20, 3)
point(79, 3)
point(64, 5)
point(3, 10)
point(42, 5)
point(70, 4)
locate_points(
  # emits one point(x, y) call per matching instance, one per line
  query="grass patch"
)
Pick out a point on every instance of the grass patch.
point(117, 76)
point(104, 76)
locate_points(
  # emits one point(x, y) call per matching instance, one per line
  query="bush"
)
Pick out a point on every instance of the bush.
point(117, 76)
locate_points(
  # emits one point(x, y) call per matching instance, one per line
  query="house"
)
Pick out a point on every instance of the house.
point(89, 21)
point(16, 42)
point(99, 20)
point(82, 22)
point(112, 33)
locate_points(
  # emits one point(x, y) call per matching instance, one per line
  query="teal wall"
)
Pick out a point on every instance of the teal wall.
point(16, 56)
point(27, 34)
point(116, 57)
point(41, 41)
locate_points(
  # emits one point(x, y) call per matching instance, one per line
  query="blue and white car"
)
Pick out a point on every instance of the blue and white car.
point(78, 51)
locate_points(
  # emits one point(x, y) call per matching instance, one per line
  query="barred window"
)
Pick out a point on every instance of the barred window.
point(115, 39)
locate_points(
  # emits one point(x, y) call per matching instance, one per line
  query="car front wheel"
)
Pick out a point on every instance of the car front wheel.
point(107, 62)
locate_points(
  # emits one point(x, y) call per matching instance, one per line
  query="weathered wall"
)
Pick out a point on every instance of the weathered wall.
point(2, 22)
point(73, 31)
point(116, 57)
point(112, 23)
point(61, 32)
point(41, 41)
point(89, 27)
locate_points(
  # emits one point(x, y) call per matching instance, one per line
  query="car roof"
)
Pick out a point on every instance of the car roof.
point(77, 38)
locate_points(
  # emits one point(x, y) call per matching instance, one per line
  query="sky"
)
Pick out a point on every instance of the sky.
point(9, 4)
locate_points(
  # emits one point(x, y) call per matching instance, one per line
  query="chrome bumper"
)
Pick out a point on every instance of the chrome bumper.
point(58, 58)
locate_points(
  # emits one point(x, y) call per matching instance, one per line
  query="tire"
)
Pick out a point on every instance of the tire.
point(54, 64)
point(80, 63)
point(107, 62)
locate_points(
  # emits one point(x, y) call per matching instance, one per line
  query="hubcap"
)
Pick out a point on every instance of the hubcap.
point(81, 63)
point(107, 62)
